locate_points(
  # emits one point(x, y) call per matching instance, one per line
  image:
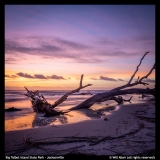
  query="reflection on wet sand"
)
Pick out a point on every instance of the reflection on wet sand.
point(28, 119)
point(32, 120)
point(75, 116)
point(19, 123)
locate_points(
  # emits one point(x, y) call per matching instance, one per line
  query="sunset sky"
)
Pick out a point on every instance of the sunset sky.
point(50, 46)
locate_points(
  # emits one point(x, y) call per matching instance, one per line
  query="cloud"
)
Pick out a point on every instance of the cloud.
point(55, 77)
point(126, 47)
point(46, 47)
point(11, 76)
point(71, 44)
point(145, 38)
point(105, 41)
point(39, 76)
point(8, 76)
point(107, 79)
point(120, 79)
point(94, 78)
point(15, 46)
point(10, 60)
point(49, 48)
point(24, 75)
point(42, 45)
point(101, 51)
point(149, 80)
point(104, 78)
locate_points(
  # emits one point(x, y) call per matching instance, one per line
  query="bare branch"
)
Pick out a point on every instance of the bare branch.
point(118, 99)
point(143, 83)
point(128, 100)
point(140, 80)
point(81, 81)
point(40, 103)
point(29, 93)
point(137, 79)
point(137, 68)
point(154, 66)
point(64, 97)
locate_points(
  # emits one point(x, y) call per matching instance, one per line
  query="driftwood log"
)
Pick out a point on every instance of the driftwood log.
point(40, 104)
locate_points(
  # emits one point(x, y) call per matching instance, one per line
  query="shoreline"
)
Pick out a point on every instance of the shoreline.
point(33, 120)
point(29, 119)
point(130, 130)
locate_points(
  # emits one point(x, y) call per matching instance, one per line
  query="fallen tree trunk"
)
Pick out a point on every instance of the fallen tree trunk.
point(40, 104)
point(118, 99)
point(96, 98)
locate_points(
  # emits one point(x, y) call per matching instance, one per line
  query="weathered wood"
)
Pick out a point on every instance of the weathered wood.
point(64, 97)
point(106, 95)
point(137, 69)
point(139, 81)
point(40, 104)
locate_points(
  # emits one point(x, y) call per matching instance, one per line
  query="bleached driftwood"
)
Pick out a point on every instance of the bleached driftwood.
point(118, 91)
point(40, 104)
point(64, 97)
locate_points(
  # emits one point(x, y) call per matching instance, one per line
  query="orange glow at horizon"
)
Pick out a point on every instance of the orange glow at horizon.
point(71, 83)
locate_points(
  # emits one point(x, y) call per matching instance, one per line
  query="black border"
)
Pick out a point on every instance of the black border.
point(157, 85)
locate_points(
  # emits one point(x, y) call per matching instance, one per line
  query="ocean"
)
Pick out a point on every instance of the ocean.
point(23, 119)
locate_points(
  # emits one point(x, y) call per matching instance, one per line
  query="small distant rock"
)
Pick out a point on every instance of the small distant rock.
point(105, 119)
point(12, 109)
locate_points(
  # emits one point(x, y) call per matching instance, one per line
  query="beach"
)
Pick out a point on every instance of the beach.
point(128, 130)
point(80, 81)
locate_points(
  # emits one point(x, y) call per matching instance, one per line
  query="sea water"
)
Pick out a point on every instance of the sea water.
point(23, 119)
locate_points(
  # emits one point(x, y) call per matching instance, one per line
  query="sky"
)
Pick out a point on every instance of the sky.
point(49, 47)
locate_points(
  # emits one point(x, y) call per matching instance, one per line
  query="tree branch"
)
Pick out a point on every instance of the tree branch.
point(40, 104)
point(64, 97)
point(139, 81)
point(107, 95)
point(128, 100)
point(146, 76)
point(81, 81)
point(137, 68)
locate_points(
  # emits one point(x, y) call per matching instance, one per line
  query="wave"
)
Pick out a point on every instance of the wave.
point(18, 95)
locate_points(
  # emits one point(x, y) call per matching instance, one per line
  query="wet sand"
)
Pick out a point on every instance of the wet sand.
point(26, 118)
point(130, 130)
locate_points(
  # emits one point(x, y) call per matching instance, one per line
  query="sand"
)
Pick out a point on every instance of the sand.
point(130, 130)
